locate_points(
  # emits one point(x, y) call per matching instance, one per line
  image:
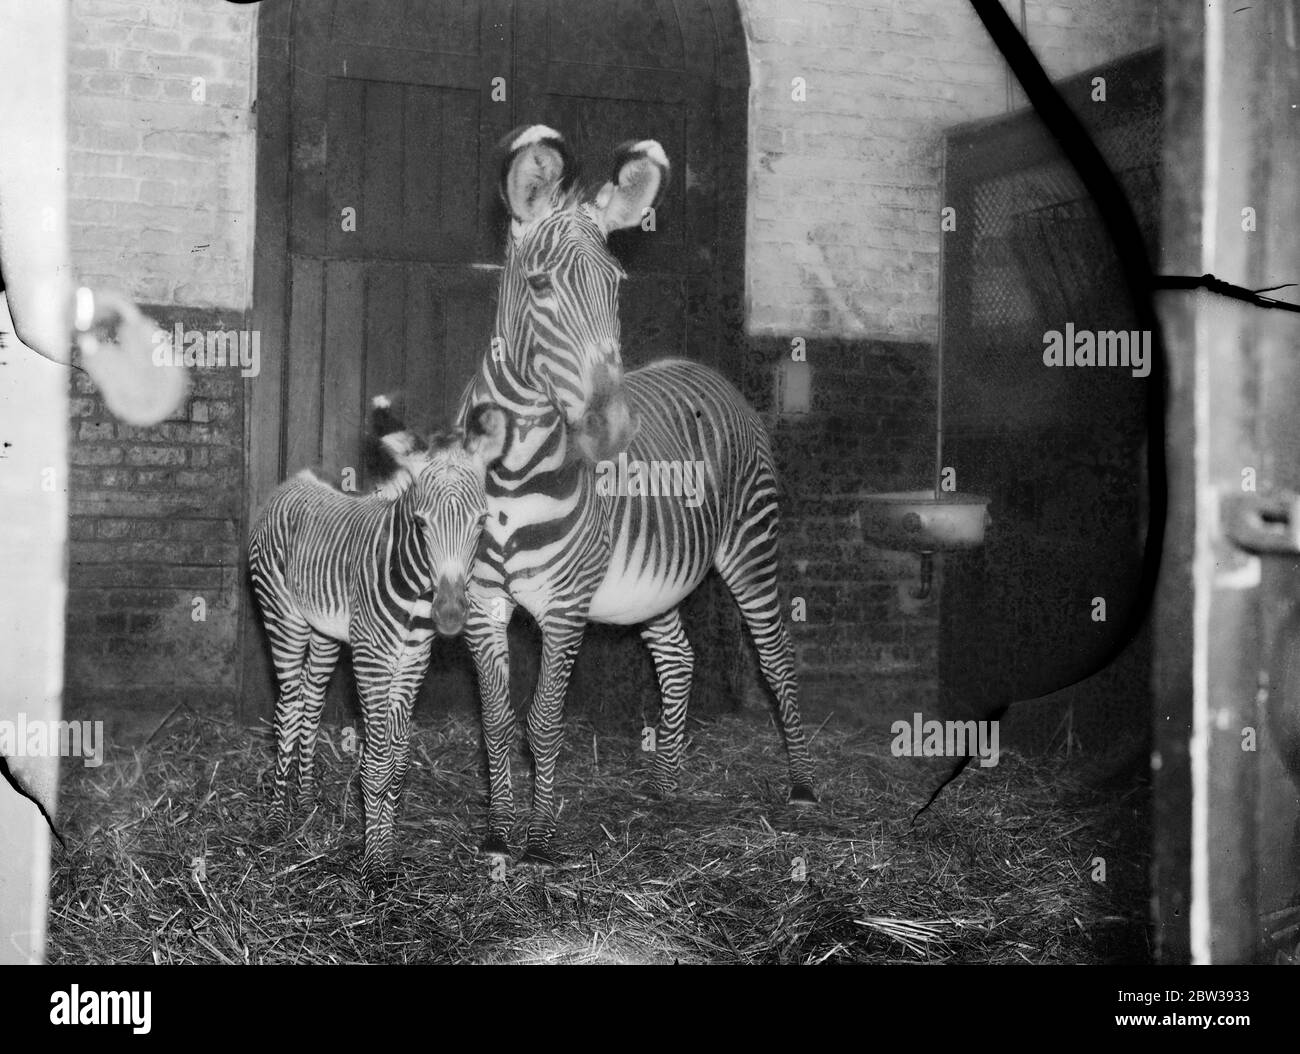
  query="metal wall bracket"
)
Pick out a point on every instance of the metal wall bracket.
point(1262, 523)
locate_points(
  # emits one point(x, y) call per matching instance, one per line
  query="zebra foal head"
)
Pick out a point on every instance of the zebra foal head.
point(438, 483)
point(558, 313)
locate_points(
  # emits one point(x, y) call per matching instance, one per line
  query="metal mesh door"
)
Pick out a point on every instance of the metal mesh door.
point(1060, 451)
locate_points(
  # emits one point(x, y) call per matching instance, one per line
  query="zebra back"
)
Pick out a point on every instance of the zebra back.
point(337, 556)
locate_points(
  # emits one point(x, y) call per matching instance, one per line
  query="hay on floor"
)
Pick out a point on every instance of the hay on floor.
point(166, 861)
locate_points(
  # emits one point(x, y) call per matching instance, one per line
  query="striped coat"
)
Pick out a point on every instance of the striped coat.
point(581, 525)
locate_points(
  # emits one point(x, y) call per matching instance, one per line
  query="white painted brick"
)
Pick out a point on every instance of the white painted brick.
point(165, 15)
point(198, 18)
point(853, 173)
point(99, 83)
point(139, 87)
point(152, 38)
point(102, 188)
point(88, 59)
point(90, 163)
point(106, 11)
point(154, 174)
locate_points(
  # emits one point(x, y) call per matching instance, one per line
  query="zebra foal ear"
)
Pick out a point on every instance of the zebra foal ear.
point(487, 433)
point(403, 446)
point(536, 168)
point(640, 175)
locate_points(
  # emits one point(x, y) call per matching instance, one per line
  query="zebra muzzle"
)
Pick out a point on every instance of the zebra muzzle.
point(450, 608)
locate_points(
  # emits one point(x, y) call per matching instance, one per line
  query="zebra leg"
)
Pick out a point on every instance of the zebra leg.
point(560, 641)
point(289, 635)
point(485, 632)
point(322, 655)
point(748, 567)
point(401, 701)
point(674, 662)
point(400, 716)
point(384, 728)
point(380, 862)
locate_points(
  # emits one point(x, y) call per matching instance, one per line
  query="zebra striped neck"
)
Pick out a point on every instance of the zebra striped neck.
point(567, 247)
point(533, 418)
point(539, 439)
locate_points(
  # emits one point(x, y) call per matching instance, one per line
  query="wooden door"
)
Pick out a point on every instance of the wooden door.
point(380, 237)
point(391, 196)
point(601, 72)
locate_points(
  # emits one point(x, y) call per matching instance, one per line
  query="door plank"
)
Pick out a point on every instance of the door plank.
point(264, 394)
point(302, 411)
point(424, 365)
point(382, 149)
point(341, 398)
point(385, 333)
point(345, 121)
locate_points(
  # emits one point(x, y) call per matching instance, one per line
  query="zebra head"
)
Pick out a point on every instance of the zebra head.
point(438, 484)
point(558, 311)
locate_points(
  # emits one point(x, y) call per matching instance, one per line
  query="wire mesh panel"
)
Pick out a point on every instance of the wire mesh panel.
point(1059, 450)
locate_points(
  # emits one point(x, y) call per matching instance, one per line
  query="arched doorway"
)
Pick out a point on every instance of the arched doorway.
point(379, 233)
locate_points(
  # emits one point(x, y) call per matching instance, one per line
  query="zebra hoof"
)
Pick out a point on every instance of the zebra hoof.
point(657, 792)
point(538, 857)
point(380, 883)
point(802, 794)
point(494, 848)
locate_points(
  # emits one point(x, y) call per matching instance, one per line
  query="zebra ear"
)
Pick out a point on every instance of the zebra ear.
point(487, 433)
point(640, 174)
point(536, 166)
point(404, 447)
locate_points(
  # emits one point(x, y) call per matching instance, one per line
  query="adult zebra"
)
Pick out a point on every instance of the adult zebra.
point(556, 541)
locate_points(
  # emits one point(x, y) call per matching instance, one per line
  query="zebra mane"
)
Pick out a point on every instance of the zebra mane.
point(577, 197)
point(396, 479)
point(394, 486)
point(310, 478)
point(393, 478)
point(583, 189)
point(574, 196)
point(445, 438)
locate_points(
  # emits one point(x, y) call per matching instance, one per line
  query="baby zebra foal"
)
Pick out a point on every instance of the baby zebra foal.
point(378, 573)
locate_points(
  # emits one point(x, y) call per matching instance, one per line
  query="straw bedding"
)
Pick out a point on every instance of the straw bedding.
point(166, 860)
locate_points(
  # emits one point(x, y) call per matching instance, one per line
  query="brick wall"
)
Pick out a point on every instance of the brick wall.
point(161, 208)
point(843, 225)
point(155, 543)
point(864, 643)
point(160, 196)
